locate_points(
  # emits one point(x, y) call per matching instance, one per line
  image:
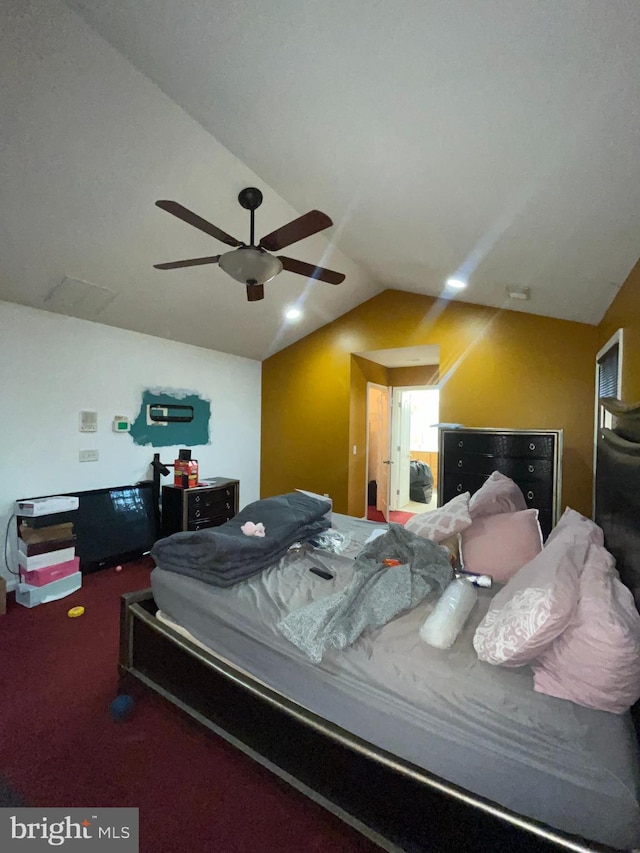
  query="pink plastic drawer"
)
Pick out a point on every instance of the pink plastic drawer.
point(48, 574)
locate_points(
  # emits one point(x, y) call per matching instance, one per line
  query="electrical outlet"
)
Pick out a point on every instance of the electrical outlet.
point(89, 456)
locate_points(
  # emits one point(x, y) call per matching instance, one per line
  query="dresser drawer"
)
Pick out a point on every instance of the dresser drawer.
point(456, 484)
point(516, 469)
point(545, 520)
point(537, 494)
point(502, 444)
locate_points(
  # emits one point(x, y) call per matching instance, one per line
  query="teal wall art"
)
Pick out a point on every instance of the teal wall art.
point(171, 403)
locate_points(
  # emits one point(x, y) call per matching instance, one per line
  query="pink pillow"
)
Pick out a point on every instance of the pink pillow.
point(499, 545)
point(576, 526)
point(497, 494)
point(535, 606)
point(596, 660)
point(438, 524)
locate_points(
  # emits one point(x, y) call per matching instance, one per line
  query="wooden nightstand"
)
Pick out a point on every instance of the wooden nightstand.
point(200, 507)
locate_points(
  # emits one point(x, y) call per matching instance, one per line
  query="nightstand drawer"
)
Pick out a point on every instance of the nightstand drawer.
point(203, 523)
point(211, 504)
point(211, 497)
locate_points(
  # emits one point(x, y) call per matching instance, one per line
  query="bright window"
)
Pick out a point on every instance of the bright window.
point(609, 376)
point(424, 414)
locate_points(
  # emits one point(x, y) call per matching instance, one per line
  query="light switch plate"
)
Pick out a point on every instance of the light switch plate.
point(89, 456)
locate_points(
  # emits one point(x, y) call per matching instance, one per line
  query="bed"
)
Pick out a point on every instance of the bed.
point(467, 757)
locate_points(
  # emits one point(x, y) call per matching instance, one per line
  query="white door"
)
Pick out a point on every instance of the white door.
point(378, 443)
point(400, 447)
point(413, 432)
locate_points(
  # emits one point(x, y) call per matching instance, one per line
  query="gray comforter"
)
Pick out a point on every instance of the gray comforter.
point(376, 594)
point(224, 555)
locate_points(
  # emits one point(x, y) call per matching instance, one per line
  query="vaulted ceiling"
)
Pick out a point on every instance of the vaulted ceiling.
point(493, 141)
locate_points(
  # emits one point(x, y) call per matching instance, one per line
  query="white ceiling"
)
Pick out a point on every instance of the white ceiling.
point(87, 145)
point(494, 140)
point(404, 356)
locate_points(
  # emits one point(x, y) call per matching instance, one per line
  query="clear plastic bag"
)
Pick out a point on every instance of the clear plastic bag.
point(331, 540)
point(446, 620)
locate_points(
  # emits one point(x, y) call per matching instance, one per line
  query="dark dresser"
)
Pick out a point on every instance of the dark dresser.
point(531, 458)
point(199, 507)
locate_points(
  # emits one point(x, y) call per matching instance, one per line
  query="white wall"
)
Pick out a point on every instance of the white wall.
point(52, 367)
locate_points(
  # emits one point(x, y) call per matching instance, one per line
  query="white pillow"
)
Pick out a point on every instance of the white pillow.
point(443, 522)
point(534, 607)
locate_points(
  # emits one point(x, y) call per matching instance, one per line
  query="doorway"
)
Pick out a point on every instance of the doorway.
point(402, 451)
point(414, 440)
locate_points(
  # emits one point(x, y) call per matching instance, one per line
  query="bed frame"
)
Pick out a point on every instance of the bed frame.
point(396, 804)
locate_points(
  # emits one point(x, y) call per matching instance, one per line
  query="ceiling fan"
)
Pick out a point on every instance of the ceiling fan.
point(252, 264)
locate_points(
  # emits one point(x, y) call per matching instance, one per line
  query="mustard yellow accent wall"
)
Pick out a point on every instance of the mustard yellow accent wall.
point(624, 313)
point(498, 368)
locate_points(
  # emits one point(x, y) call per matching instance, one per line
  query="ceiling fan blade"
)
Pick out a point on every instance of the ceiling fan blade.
point(192, 262)
point(197, 221)
point(298, 229)
point(255, 292)
point(302, 268)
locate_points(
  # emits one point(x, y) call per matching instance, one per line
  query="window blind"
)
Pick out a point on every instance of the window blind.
point(608, 372)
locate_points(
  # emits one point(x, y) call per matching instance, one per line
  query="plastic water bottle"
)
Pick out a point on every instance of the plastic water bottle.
point(446, 620)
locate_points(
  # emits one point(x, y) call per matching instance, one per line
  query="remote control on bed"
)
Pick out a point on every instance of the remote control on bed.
point(322, 573)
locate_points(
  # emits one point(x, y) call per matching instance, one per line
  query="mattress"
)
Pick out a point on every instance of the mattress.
point(480, 727)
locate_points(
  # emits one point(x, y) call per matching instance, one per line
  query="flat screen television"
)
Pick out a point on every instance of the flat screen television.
point(112, 526)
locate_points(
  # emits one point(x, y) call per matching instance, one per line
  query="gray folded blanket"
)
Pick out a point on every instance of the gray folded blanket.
point(375, 595)
point(223, 556)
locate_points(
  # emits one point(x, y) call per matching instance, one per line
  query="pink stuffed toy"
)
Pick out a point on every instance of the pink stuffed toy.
point(251, 529)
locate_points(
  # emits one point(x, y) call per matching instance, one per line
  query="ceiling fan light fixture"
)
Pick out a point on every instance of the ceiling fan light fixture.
point(254, 265)
point(250, 265)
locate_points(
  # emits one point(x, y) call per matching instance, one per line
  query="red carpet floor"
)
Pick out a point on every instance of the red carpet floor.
point(396, 515)
point(59, 746)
